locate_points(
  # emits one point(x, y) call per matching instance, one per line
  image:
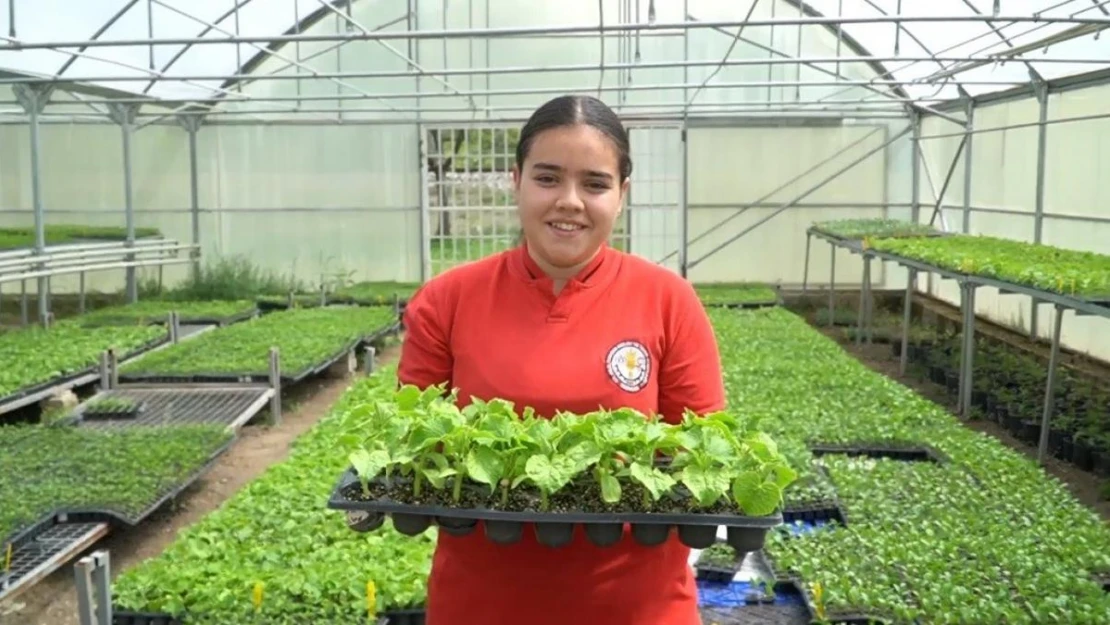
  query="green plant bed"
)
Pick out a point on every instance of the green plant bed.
point(11, 238)
point(374, 292)
point(942, 542)
point(306, 338)
point(210, 570)
point(121, 472)
point(858, 229)
point(725, 293)
point(35, 356)
point(158, 311)
point(1044, 267)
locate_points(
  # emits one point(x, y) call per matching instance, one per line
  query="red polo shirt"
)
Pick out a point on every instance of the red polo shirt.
point(623, 333)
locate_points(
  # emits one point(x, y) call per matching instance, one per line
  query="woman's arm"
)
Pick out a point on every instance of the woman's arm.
point(690, 374)
point(425, 352)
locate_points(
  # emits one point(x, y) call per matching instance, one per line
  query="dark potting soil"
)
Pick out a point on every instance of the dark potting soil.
point(581, 495)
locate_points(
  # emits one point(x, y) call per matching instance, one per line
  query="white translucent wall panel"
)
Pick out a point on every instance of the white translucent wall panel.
point(297, 200)
point(1075, 203)
point(655, 202)
point(937, 160)
point(730, 168)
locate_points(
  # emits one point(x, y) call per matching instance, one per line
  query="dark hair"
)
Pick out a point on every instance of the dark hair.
point(568, 110)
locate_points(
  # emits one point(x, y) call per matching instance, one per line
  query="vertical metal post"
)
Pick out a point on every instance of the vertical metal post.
point(275, 384)
point(94, 597)
point(191, 124)
point(684, 190)
point(81, 294)
point(1050, 387)
point(968, 138)
point(368, 364)
point(832, 284)
point(861, 317)
point(915, 164)
point(105, 372)
point(1040, 89)
point(967, 363)
point(33, 98)
point(907, 309)
point(23, 313)
point(113, 366)
point(805, 270)
point(175, 328)
point(124, 115)
point(869, 299)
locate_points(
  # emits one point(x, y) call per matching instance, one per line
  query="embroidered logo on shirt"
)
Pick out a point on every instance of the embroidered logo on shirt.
point(629, 365)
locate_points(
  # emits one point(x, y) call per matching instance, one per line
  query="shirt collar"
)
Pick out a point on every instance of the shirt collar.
point(600, 268)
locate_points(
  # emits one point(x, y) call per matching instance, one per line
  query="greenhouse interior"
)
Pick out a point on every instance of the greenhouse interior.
point(217, 219)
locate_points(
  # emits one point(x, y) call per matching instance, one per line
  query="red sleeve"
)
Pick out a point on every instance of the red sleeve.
point(690, 372)
point(425, 351)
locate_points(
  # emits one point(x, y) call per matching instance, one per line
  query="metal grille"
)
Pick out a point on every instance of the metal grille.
point(47, 552)
point(654, 226)
point(471, 208)
point(232, 407)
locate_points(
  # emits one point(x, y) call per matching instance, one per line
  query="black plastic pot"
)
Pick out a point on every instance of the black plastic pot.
point(952, 382)
point(1030, 431)
point(1082, 455)
point(937, 375)
point(1100, 462)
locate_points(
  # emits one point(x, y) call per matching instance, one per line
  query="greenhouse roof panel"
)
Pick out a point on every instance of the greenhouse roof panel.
point(943, 46)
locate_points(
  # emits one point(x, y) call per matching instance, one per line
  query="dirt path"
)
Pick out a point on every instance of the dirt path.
point(879, 357)
point(54, 601)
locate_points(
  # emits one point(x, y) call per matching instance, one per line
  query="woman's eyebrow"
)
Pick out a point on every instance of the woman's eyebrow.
point(556, 168)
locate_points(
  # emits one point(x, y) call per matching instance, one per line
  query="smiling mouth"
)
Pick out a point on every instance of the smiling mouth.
point(566, 226)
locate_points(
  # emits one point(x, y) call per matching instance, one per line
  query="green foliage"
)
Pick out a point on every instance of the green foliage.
point(156, 311)
point(35, 355)
point(734, 293)
point(305, 337)
point(278, 531)
point(985, 538)
point(11, 238)
point(721, 555)
point(124, 470)
point(228, 278)
point(1054, 269)
point(374, 292)
point(522, 461)
point(858, 229)
point(110, 404)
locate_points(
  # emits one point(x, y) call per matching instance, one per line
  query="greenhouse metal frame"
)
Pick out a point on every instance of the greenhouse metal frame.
point(917, 75)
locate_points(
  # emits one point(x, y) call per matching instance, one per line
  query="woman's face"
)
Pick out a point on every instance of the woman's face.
point(568, 195)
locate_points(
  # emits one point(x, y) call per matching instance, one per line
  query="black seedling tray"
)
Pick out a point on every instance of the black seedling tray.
point(712, 573)
point(143, 618)
point(97, 515)
point(906, 454)
point(556, 529)
point(69, 377)
point(118, 414)
point(240, 378)
point(826, 511)
point(410, 616)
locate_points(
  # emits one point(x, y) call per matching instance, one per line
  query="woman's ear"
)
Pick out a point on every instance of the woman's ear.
point(516, 178)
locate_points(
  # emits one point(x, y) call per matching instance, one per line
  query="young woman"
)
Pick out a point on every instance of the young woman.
point(564, 322)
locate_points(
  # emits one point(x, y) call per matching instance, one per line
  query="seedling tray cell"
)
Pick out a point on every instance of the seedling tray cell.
point(717, 574)
point(696, 531)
